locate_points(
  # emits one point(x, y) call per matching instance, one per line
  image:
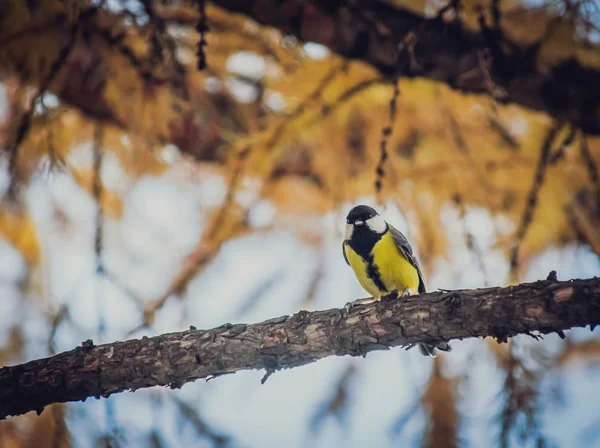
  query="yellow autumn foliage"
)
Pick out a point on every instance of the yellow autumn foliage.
point(321, 149)
point(19, 230)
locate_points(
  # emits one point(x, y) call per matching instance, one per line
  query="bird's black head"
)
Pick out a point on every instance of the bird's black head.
point(360, 213)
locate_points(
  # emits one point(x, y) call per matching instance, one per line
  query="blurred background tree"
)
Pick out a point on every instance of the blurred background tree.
point(170, 163)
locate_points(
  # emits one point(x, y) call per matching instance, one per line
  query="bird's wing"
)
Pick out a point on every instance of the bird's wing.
point(344, 252)
point(406, 250)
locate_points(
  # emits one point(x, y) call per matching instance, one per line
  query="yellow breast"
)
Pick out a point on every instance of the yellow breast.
point(395, 272)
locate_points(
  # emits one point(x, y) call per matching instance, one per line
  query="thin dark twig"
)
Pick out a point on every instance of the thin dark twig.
point(496, 14)
point(299, 110)
point(159, 39)
point(346, 96)
point(99, 234)
point(157, 31)
point(202, 28)
point(459, 138)
point(25, 123)
point(534, 192)
point(494, 90)
point(318, 90)
point(97, 192)
point(491, 36)
point(522, 407)
point(495, 125)
point(509, 411)
point(592, 168)
point(98, 249)
point(125, 51)
point(559, 154)
point(386, 132)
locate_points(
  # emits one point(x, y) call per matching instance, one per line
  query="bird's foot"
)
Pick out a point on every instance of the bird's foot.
point(391, 296)
point(358, 302)
point(407, 292)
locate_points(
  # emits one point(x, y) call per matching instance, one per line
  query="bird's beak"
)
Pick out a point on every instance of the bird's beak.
point(358, 222)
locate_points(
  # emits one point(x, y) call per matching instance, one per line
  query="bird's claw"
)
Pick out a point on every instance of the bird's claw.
point(357, 302)
point(391, 296)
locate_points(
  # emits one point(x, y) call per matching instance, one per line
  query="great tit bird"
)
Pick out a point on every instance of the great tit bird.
point(383, 261)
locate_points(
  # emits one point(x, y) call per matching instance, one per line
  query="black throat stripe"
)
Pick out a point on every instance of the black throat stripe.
point(362, 242)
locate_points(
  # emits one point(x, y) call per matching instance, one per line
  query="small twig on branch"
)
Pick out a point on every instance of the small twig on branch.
point(291, 341)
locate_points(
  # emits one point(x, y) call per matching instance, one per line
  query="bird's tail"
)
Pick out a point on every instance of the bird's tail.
point(431, 350)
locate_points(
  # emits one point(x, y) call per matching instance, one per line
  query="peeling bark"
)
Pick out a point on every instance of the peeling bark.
point(290, 341)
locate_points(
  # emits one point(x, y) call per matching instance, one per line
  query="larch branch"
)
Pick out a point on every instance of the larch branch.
point(289, 341)
point(377, 32)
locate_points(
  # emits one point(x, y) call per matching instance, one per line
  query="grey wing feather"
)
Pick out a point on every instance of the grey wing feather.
point(404, 246)
point(406, 250)
point(344, 252)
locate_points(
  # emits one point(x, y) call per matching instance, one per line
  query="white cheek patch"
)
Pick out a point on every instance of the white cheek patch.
point(377, 224)
point(348, 231)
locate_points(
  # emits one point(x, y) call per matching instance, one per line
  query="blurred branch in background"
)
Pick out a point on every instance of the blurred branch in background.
point(521, 395)
point(447, 50)
point(291, 341)
point(337, 404)
point(205, 431)
point(440, 404)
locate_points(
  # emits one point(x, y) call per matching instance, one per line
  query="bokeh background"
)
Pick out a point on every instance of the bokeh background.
point(141, 195)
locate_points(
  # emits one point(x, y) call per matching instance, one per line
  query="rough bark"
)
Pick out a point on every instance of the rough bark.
point(399, 42)
point(290, 341)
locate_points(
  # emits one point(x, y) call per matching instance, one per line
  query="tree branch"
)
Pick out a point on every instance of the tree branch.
point(399, 42)
point(290, 341)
